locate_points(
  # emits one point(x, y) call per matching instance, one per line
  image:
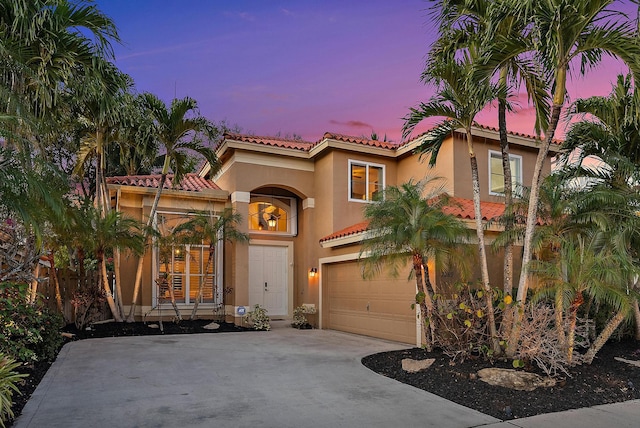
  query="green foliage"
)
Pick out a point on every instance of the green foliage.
point(300, 316)
point(258, 318)
point(28, 332)
point(8, 380)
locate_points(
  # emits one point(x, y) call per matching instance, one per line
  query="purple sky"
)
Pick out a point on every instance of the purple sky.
point(303, 67)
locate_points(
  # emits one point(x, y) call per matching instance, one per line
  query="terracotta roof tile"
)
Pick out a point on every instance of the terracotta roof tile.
point(271, 141)
point(517, 134)
point(347, 231)
point(364, 141)
point(190, 182)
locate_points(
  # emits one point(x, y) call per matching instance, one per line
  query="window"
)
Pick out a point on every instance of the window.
point(185, 267)
point(272, 214)
point(366, 181)
point(496, 174)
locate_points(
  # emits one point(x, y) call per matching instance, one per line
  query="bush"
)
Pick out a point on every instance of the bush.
point(28, 332)
point(8, 380)
point(300, 316)
point(258, 318)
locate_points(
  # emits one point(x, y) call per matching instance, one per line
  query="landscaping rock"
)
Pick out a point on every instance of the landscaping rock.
point(414, 366)
point(212, 326)
point(514, 379)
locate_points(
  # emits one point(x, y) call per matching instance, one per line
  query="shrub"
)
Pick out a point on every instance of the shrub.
point(8, 380)
point(258, 318)
point(28, 332)
point(300, 316)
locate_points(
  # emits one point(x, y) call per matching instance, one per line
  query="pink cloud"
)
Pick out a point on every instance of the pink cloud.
point(351, 124)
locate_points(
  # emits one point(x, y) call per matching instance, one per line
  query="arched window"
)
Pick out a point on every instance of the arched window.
point(272, 214)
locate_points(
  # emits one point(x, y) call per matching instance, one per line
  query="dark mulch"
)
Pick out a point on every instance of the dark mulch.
point(605, 381)
point(37, 370)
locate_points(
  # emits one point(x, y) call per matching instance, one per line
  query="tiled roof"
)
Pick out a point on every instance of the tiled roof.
point(271, 141)
point(463, 208)
point(190, 182)
point(459, 207)
point(358, 140)
point(517, 134)
point(347, 231)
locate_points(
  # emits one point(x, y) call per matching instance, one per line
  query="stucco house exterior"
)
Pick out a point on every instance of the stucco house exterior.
point(302, 204)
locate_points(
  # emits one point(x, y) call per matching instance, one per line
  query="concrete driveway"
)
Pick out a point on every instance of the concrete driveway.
point(281, 378)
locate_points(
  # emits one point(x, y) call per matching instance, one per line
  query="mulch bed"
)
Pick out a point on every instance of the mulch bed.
point(603, 382)
point(37, 370)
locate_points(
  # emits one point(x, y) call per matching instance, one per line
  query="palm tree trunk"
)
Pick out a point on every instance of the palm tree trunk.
point(508, 188)
point(425, 313)
point(636, 313)
point(33, 291)
point(604, 335)
point(559, 318)
point(116, 268)
point(107, 290)
point(152, 213)
point(481, 247)
point(573, 316)
point(428, 299)
point(532, 216)
point(56, 284)
point(201, 282)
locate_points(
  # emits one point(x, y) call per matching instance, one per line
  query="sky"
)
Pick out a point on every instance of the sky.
point(300, 67)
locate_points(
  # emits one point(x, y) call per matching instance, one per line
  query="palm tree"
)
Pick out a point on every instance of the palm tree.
point(112, 231)
point(207, 227)
point(564, 30)
point(179, 130)
point(410, 225)
point(464, 23)
point(458, 98)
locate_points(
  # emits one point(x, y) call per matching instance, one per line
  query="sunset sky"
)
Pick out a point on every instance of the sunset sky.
point(296, 67)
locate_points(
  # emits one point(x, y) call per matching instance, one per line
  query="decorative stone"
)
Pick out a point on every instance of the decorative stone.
point(153, 326)
point(630, 362)
point(212, 326)
point(414, 366)
point(514, 379)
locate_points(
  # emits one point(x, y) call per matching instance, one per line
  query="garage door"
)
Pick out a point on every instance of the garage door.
point(378, 307)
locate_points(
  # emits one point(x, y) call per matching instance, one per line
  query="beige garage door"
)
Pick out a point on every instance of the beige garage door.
point(378, 307)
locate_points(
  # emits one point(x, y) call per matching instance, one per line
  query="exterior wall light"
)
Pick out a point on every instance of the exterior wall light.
point(313, 272)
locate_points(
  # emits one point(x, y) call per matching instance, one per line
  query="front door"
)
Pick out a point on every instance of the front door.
point(268, 278)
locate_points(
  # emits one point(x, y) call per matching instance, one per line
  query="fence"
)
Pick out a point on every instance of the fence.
point(70, 285)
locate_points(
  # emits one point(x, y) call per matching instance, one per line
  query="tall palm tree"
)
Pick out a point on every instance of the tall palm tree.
point(564, 31)
point(459, 98)
point(502, 43)
point(112, 231)
point(207, 227)
point(409, 224)
point(180, 130)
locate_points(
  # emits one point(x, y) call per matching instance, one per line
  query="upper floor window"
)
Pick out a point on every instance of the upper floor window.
point(496, 173)
point(272, 214)
point(366, 180)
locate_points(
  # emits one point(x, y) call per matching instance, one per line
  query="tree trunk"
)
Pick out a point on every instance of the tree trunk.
point(559, 318)
point(508, 190)
point(428, 299)
point(56, 284)
point(201, 282)
point(152, 213)
point(606, 333)
point(481, 247)
point(573, 316)
point(532, 216)
point(424, 309)
point(107, 290)
point(33, 291)
point(636, 315)
point(116, 268)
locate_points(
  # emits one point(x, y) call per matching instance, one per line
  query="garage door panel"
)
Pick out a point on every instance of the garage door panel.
point(380, 307)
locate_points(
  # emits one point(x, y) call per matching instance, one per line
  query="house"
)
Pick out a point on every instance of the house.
point(302, 205)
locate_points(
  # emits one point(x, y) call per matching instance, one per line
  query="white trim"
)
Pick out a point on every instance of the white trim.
point(366, 178)
point(308, 203)
point(518, 174)
point(242, 197)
